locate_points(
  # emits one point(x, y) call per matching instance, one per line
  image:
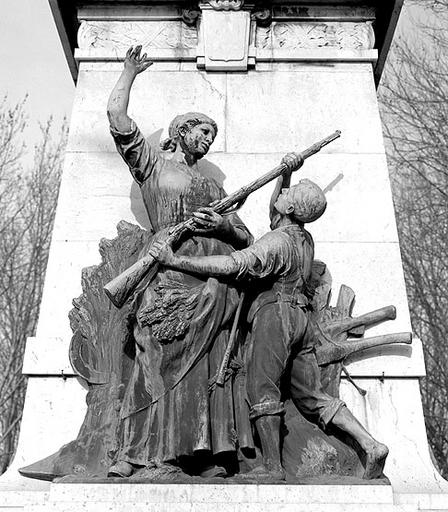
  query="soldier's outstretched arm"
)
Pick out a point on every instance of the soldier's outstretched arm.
point(221, 265)
point(293, 162)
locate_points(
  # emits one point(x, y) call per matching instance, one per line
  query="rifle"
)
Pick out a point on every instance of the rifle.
point(338, 351)
point(230, 344)
point(356, 326)
point(332, 335)
point(119, 289)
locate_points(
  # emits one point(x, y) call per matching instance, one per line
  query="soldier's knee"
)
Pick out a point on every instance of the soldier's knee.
point(266, 408)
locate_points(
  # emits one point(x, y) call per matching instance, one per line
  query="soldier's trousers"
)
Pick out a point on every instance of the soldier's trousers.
point(281, 338)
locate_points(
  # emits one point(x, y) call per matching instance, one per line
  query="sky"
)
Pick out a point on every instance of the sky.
point(33, 62)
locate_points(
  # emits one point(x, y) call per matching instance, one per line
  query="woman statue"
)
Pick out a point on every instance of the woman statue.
point(171, 410)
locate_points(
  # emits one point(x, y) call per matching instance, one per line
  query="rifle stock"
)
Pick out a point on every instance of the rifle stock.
point(121, 287)
point(337, 351)
point(366, 320)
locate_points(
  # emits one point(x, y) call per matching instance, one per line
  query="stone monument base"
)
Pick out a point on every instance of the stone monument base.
point(220, 498)
point(303, 68)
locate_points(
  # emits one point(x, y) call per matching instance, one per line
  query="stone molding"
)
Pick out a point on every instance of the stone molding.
point(226, 5)
point(50, 356)
point(119, 35)
point(230, 35)
point(262, 17)
point(288, 12)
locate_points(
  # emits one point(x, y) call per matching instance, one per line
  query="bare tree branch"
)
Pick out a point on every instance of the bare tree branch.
point(414, 103)
point(27, 208)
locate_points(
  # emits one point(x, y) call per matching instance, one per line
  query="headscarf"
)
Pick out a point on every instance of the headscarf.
point(188, 120)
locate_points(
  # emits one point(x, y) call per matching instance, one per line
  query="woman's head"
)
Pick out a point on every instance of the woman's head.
point(195, 132)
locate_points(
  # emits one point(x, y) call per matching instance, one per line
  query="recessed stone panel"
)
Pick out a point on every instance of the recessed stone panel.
point(288, 107)
point(63, 284)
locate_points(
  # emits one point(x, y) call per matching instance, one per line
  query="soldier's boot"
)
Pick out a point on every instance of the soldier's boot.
point(268, 428)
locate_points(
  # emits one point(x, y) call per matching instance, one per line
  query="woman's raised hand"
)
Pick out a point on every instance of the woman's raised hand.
point(134, 62)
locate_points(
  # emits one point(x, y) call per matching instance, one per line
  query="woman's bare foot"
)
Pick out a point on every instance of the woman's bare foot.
point(375, 460)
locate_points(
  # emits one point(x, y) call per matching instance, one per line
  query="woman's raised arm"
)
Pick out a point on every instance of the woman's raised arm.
point(117, 106)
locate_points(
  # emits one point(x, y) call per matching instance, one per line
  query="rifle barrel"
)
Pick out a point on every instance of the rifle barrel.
point(243, 192)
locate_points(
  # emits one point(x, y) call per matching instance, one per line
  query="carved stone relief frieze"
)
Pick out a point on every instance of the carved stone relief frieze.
point(120, 35)
point(226, 37)
point(312, 35)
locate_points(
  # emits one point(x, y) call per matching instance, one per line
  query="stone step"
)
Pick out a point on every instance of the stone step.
point(222, 493)
point(18, 500)
point(132, 497)
point(101, 506)
point(219, 498)
point(424, 502)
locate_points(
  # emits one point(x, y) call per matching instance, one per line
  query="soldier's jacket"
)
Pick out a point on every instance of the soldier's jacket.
point(278, 265)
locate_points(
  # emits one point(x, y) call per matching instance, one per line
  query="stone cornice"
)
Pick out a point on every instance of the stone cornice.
point(318, 19)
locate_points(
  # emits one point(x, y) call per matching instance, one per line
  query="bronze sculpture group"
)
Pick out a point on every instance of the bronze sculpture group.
point(169, 412)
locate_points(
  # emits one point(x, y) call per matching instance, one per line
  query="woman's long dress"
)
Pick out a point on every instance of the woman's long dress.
point(182, 326)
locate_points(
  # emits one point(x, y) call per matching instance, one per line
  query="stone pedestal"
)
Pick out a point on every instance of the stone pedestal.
point(298, 73)
point(225, 498)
